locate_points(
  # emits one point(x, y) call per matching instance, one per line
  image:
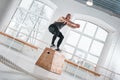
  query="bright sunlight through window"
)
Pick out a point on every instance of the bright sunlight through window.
point(86, 43)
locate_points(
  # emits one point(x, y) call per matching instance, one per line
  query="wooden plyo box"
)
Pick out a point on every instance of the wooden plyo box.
point(51, 60)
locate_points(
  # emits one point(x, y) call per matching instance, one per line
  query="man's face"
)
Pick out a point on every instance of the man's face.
point(68, 16)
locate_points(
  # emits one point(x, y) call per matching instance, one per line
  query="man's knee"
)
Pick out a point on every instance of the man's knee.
point(62, 37)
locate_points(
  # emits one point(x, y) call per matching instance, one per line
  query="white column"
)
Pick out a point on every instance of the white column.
point(108, 51)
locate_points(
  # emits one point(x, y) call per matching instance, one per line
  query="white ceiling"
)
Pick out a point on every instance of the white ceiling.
point(111, 7)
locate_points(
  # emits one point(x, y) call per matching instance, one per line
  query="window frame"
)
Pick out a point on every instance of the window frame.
point(93, 38)
point(45, 3)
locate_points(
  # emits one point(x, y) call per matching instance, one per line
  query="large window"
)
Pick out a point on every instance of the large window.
point(85, 43)
point(30, 20)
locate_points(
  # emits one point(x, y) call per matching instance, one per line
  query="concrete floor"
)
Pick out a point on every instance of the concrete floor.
point(28, 64)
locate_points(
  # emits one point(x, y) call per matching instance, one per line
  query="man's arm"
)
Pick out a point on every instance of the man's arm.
point(70, 23)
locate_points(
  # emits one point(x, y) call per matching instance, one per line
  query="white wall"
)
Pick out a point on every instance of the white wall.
point(7, 9)
point(113, 58)
point(108, 22)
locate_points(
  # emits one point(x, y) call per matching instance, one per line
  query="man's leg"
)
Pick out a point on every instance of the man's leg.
point(55, 35)
point(53, 40)
point(60, 40)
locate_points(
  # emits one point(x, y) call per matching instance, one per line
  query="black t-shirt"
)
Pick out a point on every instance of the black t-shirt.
point(59, 24)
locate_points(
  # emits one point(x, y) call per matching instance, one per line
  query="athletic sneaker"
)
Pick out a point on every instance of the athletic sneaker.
point(52, 45)
point(57, 49)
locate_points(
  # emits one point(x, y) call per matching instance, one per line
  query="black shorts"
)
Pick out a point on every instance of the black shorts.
point(53, 29)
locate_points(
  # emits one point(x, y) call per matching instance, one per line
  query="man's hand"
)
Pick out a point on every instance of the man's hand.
point(68, 22)
point(77, 26)
point(73, 25)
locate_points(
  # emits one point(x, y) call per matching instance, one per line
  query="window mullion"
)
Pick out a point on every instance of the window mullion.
point(76, 47)
point(92, 40)
point(35, 25)
point(27, 11)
